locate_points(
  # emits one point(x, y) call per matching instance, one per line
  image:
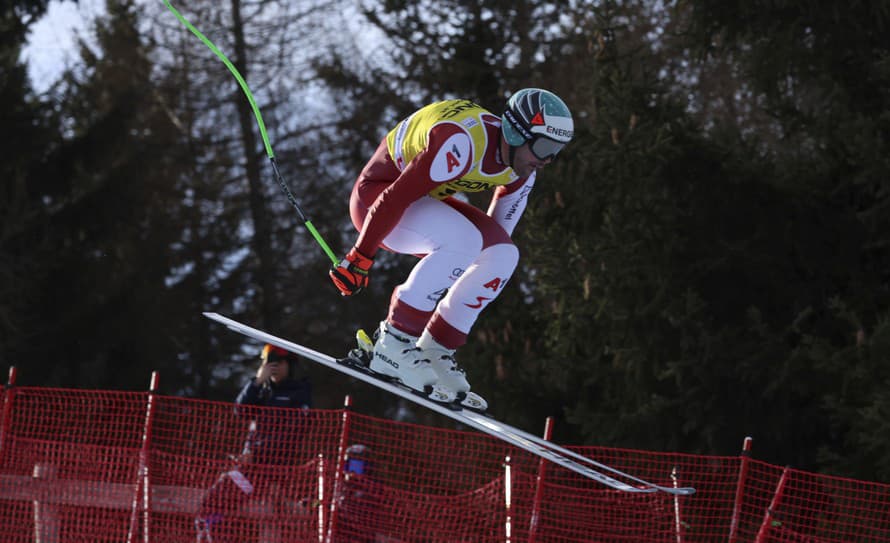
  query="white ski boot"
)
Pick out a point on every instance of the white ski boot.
point(395, 355)
point(450, 376)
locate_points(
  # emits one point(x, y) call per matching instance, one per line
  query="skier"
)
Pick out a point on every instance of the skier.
point(404, 201)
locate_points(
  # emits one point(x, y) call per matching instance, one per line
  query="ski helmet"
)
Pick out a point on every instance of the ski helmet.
point(540, 118)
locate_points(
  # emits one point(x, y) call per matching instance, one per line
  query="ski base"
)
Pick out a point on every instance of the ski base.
point(358, 369)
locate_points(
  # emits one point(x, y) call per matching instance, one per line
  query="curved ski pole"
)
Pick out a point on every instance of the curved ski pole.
point(262, 125)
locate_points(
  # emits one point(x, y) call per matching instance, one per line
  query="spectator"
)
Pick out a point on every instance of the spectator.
point(267, 447)
point(359, 515)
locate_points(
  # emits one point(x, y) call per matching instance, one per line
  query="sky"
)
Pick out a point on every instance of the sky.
point(52, 40)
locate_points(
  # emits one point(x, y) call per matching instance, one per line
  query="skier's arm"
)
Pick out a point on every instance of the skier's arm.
point(434, 165)
point(441, 162)
point(509, 201)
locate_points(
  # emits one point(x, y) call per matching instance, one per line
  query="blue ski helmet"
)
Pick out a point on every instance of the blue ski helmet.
point(540, 118)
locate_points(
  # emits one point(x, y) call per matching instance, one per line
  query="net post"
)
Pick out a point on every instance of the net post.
point(321, 498)
point(678, 524)
point(744, 458)
point(508, 501)
point(539, 486)
point(142, 493)
point(8, 397)
point(773, 504)
point(338, 466)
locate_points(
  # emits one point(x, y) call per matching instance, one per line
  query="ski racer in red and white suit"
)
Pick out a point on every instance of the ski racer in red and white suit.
point(403, 201)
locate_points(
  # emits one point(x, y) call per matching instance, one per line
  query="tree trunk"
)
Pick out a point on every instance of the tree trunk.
point(262, 242)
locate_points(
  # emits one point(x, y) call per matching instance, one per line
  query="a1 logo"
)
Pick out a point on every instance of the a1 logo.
point(495, 284)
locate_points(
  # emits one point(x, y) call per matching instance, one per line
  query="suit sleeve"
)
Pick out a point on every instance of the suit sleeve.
point(509, 201)
point(437, 163)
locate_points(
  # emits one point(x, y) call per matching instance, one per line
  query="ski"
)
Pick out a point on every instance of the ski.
point(483, 423)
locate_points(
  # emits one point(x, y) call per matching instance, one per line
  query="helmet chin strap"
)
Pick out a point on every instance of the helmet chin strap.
point(512, 156)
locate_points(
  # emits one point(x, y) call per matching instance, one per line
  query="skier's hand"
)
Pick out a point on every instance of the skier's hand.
point(351, 274)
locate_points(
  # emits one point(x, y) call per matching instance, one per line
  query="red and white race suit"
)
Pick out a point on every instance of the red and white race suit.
point(403, 200)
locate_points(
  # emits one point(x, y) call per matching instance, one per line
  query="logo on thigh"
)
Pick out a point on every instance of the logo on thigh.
point(480, 300)
point(493, 285)
point(437, 295)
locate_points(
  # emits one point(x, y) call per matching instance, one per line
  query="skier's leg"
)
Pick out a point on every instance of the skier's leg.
point(440, 230)
point(450, 243)
point(480, 283)
point(452, 320)
point(455, 315)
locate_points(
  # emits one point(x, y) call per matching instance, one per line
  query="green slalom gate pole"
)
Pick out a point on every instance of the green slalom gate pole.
point(262, 125)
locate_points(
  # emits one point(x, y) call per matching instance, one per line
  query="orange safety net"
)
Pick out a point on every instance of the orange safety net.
point(97, 466)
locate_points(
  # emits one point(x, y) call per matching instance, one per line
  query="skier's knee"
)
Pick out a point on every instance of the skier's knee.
point(503, 256)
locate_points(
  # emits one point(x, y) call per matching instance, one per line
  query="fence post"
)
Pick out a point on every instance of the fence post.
point(338, 469)
point(47, 526)
point(508, 501)
point(321, 498)
point(8, 396)
point(142, 493)
point(744, 457)
point(539, 486)
point(678, 524)
point(773, 504)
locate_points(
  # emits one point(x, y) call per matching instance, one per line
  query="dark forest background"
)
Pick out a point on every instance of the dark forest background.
point(708, 260)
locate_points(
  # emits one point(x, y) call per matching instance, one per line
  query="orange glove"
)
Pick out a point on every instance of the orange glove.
point(351, 274)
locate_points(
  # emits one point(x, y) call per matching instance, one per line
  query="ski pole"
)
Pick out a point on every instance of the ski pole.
point(262, 125)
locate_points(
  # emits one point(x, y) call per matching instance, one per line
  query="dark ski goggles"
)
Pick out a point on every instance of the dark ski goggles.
point(545, 148)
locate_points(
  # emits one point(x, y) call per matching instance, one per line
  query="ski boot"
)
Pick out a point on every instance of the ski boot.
point(453, 378)
point(394, 356)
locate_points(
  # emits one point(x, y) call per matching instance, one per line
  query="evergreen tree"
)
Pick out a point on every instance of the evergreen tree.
point(247, 253)
point(102, 193)
point(25, 130)
point(822, 72)
point(686, 255)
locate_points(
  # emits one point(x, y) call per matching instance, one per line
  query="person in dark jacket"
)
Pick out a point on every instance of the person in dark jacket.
point(269, 444)
point(273, 386)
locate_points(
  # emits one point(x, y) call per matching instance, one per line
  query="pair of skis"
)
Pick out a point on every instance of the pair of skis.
point(545, 449)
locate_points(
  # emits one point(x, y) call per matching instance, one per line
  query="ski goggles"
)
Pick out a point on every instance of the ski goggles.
point(545, 148)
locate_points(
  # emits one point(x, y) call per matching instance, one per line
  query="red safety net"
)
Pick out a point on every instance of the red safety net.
point(96, 466)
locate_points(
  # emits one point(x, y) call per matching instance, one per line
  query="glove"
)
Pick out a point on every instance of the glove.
point(351, 274)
